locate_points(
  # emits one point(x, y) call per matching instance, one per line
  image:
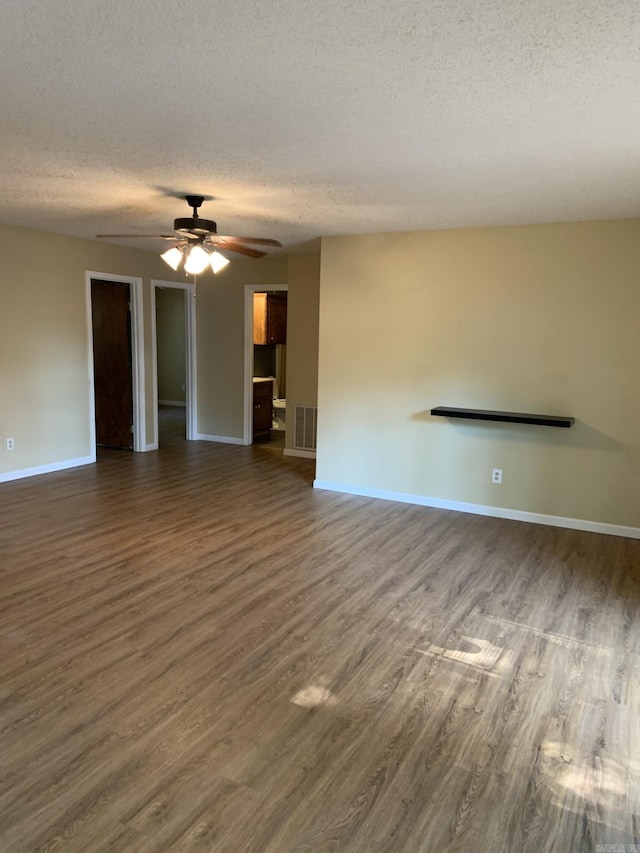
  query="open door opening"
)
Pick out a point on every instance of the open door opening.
point(173, 324)
point(265, 330)
point(171, 365)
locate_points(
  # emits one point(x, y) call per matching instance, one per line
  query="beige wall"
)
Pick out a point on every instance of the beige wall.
point(220, 341)
point(170, 331)
point(302, 335)
point(535, 319)
point(44, 355)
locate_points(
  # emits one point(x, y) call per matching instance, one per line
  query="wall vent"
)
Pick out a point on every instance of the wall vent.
point(305, 426)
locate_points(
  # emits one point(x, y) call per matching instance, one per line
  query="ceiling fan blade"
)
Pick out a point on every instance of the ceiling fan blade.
point(241, 250)
point(137, 236)
point(259, 241)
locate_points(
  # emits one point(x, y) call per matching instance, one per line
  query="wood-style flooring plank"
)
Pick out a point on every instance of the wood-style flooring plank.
point(202, 653)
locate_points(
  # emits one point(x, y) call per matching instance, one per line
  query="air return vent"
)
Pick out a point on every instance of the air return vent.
point(305, 425)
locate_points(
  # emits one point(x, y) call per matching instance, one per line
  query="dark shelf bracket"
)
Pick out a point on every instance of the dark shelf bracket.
point(503, 417)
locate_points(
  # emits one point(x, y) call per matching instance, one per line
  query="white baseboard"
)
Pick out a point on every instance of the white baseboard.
point(303, 454)
point(223, 439)
point(47, 469)
point(172, 403)
point(479, 509)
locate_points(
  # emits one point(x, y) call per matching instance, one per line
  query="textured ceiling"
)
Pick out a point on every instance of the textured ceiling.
point(306, 118)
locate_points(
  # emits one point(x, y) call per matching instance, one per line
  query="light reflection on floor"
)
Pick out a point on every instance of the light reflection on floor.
point(474, 652)
point(314, 695)
point(598, 785)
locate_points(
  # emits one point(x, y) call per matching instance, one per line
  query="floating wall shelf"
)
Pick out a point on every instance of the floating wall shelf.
point(503, 417)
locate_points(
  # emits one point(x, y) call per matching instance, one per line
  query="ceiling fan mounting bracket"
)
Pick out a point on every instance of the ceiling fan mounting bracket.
point(194, 202)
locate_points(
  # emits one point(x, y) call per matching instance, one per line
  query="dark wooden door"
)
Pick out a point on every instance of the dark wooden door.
point(276, 318)
point(262, 408)
point(269, 318)
point(111, 319)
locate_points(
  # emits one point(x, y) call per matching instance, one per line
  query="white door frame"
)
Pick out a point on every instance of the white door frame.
point(191, 363)
point(137, 357)
point(249, 290)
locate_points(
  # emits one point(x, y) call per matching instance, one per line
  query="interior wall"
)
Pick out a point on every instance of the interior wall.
point(303, 298)
point(44, 344)
point(264, 359)
point(220, 342)
point(534, 319)
point(170, 331)
point(44, 354)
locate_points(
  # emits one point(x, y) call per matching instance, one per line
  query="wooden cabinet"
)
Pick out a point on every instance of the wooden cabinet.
point(269, 318)
point(262, 408)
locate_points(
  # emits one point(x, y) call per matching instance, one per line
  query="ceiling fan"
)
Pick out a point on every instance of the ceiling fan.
point(197, 241)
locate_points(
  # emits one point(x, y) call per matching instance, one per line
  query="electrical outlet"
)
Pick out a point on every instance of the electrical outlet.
point(496, 476)
point(10, 444)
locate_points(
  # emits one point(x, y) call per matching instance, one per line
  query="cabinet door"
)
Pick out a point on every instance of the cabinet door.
point(260, 318)
point(269, 318)
point(262, 408)
point(276, 319)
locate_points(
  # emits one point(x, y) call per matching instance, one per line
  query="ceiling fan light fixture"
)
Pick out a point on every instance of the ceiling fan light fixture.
point(197, 260)
point(218, 262)
point(173, 257)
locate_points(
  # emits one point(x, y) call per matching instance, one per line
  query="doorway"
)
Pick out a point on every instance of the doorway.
point(116, 396)
point(249, 291)
point(171, 395)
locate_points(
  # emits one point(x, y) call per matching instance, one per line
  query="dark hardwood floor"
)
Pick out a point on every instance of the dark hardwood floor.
point(201, 652)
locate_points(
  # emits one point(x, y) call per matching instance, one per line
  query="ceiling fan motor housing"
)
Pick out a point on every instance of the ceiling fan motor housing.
point(195, 225)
